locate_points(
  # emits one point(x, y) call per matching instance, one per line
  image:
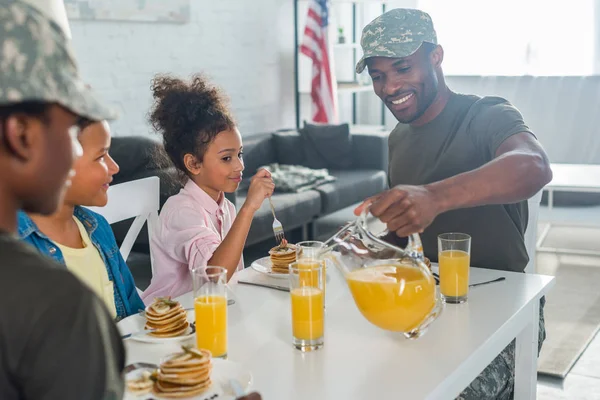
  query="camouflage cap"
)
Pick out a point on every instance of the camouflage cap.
point(37, 63)
point(397, 33)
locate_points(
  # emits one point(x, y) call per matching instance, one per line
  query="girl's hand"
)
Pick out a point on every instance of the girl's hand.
point(261, 187)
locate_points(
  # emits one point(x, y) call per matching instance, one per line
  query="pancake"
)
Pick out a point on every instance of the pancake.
point(168, 317)
point(281, 257)
point(186, 379)
point(184, 374)
point(177, 331)
point(190, 358)
point(166, 391)
point(141, 385)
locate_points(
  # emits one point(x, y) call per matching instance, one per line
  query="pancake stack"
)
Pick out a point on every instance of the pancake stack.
point(184, 374)
point(282, 256)
point(168, 317)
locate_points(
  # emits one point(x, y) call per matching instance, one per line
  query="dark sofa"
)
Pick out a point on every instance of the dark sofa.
point(364, 175)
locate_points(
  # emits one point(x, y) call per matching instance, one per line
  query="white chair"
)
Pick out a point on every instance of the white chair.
point(139, 199)
point(533, 205)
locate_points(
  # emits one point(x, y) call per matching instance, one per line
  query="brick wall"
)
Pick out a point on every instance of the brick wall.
point(245, 46)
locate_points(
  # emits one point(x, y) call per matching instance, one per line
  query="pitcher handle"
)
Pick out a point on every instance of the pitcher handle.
point(414, 248)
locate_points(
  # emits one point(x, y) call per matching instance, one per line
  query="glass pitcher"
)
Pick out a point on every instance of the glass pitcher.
point(392, 287)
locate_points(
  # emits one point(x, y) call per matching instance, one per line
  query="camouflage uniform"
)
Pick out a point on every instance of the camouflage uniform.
point(37, 63)
point(399, 33)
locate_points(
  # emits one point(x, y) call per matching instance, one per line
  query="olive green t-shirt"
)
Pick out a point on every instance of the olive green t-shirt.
point(463, 137)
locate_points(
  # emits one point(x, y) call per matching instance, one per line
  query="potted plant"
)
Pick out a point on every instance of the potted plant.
point(341, 37)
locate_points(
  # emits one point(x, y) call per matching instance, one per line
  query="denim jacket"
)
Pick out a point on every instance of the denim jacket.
point(127, 299)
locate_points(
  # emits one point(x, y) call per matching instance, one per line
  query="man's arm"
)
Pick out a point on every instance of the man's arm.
point(519, 170)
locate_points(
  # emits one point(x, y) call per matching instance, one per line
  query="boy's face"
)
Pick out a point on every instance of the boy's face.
point(41, 152)
point(94, 169)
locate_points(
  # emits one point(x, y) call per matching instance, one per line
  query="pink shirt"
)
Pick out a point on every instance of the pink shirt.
point(190, 227)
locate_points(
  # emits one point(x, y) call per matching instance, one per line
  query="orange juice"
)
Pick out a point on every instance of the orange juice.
point(392, 297)
point(307, 313)
point(309, 278)
point(211, 324)
point(454, 272)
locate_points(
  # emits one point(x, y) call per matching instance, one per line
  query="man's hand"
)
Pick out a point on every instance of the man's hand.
point(405, 209)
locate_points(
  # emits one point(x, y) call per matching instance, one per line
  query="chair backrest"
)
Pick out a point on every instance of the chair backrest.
point(139, 199)
point(533, 205)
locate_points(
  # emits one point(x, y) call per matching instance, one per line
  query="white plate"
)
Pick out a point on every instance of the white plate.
point(136, 323)
point(222, 371)
point(263, 265)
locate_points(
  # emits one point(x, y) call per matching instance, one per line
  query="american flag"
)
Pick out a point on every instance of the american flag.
point(314, 45)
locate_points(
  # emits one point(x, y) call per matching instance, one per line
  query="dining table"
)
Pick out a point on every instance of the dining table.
point(359, 360)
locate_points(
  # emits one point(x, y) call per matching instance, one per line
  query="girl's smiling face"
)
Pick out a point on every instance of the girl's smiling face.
point(221, 167)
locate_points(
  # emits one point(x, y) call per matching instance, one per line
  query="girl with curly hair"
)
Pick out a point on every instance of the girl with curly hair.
point(199, 226)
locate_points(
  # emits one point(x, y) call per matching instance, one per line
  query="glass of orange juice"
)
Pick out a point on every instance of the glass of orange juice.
point(306, 295)
point(454, 259)
point(308, 254)
point(210, 306)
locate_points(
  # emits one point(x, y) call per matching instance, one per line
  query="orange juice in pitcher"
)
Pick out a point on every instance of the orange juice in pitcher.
point(393, 297)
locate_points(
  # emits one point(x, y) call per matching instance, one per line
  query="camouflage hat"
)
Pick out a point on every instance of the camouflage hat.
point(397, 33)
point(37, 63)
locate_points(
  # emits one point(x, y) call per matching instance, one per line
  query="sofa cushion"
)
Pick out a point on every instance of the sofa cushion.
point(141, 268)
point(292, 209)
point(350, 187)
point(289, 148)
point(134, 155)
point(258, 151)
point(327, 146)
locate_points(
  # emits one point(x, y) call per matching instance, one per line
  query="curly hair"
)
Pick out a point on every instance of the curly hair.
point(188, 115)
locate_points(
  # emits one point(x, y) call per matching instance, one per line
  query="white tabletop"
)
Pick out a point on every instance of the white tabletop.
point(575, 177)
point(361, 361)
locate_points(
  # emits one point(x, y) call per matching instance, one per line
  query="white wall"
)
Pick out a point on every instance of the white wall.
point(246, 47)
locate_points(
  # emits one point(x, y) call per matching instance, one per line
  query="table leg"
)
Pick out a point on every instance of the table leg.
point(527, 355)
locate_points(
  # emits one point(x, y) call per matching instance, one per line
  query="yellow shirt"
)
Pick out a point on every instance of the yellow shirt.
point(88, 266)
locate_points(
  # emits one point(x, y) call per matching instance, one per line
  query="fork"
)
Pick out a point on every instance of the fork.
point(277, 227)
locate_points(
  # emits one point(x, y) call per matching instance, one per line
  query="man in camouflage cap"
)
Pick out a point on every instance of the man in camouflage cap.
point(457, 163)
point(57, 340)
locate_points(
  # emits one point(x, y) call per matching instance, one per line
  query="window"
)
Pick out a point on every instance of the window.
point(514, 37)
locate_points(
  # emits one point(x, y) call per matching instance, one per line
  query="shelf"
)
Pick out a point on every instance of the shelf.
point(346, 45)
point(369, 129)
point(353, 87)
point(353, 1)
point(351, 83)
point(347, 88)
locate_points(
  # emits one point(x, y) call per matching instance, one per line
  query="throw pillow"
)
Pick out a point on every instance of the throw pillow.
point(134, 155)
point(288, 148)
point(327, 146)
